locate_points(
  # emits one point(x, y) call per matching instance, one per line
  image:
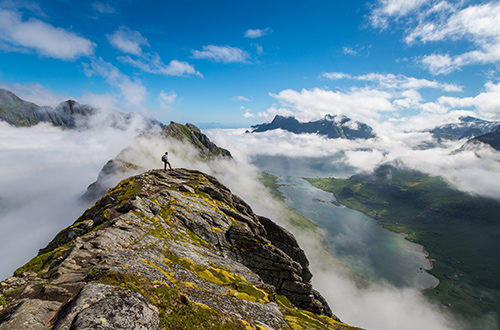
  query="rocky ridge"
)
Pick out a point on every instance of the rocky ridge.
point(119, 168)
point(167, 249)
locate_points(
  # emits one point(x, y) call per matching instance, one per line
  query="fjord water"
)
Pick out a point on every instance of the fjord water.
point(371, 251)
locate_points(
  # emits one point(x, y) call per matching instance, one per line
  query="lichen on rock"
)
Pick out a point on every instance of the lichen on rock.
point(168, 249)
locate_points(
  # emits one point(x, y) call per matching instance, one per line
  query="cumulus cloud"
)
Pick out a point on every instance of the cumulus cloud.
point(256, 33)
point(127, 41)
point(224, 54)
point(37, 36)
point(384, 10)
point(487, 103)
point(433, 22)
point(312, 104)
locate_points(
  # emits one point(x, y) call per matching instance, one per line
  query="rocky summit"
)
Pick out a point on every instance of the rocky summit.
point(167, 250)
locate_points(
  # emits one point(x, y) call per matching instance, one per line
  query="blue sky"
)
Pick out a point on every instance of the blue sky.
point(407, 62)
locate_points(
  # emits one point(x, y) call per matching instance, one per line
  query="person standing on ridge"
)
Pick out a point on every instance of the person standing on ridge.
point(165, 161)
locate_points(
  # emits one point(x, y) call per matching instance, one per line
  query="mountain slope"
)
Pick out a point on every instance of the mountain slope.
point(461, 232)
point(467, 127)
point(167, 249)
point(120, 167)
point(331, 126)
point(492, 139)
point(68, 114)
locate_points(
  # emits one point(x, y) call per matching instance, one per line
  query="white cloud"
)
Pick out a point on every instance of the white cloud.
point(167, 98)
point(332, 75)
point(360, 104)
point(152, 63)
point(386, 9)
point(349, 51)
point(225, 54)
point(131, 42)
point(258, 48)
point(486, 103)
point(132, 91)
point(43, 38)
point(35, 93)
point(248, 114)
point(240, 98)
point(127, 41)
point(392, 81)
point(444, 22)
point(42, 195)
point(256, 33)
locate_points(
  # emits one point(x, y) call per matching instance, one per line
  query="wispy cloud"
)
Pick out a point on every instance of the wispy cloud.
point(37, 36)
point(240, 98)
point(349, 51)
point(167, 98)
point(332, 75)
point(152, 63)
point(131, 42)
point(103, 8)
point(127, 41)
point(392, 81)
point(224, 54)
point(133, 91)
point(256, 33)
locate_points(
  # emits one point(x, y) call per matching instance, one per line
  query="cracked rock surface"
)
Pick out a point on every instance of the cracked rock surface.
point(160, 249)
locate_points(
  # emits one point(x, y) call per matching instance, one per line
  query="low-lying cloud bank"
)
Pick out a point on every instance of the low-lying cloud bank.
point(46, 170)
point(473, 171)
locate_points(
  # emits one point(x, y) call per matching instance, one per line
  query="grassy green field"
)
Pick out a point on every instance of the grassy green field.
point(461, 232)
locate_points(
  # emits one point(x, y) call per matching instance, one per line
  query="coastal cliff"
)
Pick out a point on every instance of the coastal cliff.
point(167, 250)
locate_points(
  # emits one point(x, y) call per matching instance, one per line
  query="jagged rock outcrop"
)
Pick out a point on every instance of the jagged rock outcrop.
point(167, 249)
point(118, 168)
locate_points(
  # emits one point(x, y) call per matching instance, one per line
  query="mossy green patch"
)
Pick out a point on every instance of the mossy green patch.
point(175, 309)
point(38, 263)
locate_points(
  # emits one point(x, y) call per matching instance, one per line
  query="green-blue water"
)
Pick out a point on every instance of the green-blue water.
point(371, 251)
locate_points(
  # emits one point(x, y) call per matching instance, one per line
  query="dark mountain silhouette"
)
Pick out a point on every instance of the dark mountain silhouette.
point(68, 114)
point(333, 127)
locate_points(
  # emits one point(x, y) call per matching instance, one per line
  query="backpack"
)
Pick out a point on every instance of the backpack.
point(164, 158)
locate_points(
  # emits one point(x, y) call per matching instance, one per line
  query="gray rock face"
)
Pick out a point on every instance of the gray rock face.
point(173, 243)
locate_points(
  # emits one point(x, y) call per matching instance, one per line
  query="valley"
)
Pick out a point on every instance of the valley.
point(460, 231)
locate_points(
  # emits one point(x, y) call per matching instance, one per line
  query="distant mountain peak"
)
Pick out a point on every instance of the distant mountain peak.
point(332, 126)
point(467, 127)
point(68, 114)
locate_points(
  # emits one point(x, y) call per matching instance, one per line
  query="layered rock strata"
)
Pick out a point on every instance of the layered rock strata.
point(167, 249)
